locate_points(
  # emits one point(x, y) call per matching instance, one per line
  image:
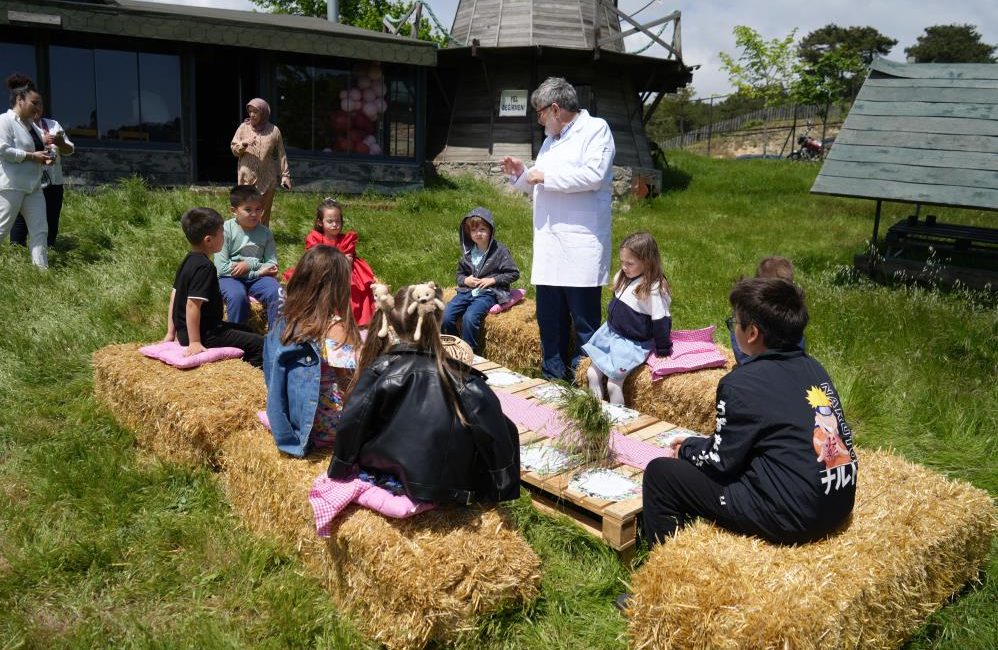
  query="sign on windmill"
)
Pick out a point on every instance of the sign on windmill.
point(512, 103)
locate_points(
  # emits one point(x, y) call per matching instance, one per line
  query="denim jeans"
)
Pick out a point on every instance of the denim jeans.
point(558, 309)
point(235, 292)
point(472, 311)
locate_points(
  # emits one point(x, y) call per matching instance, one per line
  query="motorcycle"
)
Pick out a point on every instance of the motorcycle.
point(809, 149)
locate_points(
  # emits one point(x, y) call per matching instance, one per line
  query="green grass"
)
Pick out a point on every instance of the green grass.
point(101, 546)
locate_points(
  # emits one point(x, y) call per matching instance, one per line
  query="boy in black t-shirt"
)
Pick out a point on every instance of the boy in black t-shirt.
point(780, 464)
point(195, 315)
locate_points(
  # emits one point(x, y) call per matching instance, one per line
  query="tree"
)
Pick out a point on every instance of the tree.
point(865, 42)
point(829, 56)
point(951, 44)
point(359, 13)
point(765, 69)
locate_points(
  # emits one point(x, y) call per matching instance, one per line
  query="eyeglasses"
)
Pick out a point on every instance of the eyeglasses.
point(730, 322)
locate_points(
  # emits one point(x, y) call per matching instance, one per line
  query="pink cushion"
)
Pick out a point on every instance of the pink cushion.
point(172, 353)
point(515, 296)
point(264, 420)
point(691, 350)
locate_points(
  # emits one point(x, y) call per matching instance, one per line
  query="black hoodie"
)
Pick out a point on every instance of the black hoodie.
point(782, 448)
point(498, 262)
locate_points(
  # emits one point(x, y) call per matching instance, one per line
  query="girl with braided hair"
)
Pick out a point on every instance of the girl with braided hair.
point(419, 420)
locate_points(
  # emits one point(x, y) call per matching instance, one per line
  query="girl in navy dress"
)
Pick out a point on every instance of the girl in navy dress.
point(638, 319)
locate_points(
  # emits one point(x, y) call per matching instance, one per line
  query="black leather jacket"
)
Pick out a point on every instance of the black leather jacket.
point(398, 420)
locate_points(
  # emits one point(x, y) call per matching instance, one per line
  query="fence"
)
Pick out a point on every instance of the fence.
point(798, 114)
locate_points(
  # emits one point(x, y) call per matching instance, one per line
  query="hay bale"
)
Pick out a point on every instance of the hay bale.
point(511, 338)
point(180, 415)
point(914, 540)
point(257, 318)
point(408, 582)
point(687, 399)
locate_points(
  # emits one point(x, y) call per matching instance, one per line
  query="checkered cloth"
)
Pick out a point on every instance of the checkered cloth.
point(545, 420)
point(691, 350)
point(329, 497)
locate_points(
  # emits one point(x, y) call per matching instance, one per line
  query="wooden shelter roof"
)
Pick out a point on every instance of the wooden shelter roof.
point(919, 133)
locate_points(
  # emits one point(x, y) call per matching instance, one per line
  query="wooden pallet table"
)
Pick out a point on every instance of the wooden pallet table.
point(615, 522)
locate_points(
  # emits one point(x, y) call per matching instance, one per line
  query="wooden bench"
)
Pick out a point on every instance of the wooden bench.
point(914, 540)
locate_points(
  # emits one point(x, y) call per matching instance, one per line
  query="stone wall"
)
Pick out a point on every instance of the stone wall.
point(627, 181)
point(96, 166)
point(354, 176)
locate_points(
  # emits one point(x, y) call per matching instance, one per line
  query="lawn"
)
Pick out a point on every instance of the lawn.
point(102, 546)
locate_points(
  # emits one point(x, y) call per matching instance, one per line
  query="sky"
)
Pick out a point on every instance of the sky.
point(707, 24)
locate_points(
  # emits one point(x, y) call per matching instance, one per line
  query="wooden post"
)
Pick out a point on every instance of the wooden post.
point(876, 224)
point(710, 120)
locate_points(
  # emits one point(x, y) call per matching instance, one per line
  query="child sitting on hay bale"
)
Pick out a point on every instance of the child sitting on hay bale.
point(485, 272)
point(773, 266)
point(194, 318)
point(638, 319)
point(309, 353)
point(247, 262)
point(415, 415)
point(781, 464)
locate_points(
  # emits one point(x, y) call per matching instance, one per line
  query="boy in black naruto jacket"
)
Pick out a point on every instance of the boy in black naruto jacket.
point(780, 464)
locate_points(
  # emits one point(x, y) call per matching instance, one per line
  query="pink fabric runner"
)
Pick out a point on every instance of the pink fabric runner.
point(546, 421)
point(329, 497)
point(691, 350)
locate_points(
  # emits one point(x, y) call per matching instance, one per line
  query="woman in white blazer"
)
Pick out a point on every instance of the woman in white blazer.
point(22, 160)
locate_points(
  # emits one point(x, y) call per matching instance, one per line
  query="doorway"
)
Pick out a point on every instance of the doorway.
point(225, 79)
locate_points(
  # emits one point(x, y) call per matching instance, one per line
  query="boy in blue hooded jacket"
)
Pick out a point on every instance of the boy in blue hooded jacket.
point(485, 272)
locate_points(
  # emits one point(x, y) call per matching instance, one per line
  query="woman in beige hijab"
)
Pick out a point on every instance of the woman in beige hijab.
point(260, 149)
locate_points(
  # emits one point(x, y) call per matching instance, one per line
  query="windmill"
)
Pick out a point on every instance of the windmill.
point(478, 109)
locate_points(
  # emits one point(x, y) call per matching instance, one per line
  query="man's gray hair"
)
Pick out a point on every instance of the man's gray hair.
point(555, 90)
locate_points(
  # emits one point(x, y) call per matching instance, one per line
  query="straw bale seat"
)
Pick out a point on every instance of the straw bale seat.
point(409, 581)
point(511, 338)
point(257, 318)
point(915, 538)
point(687, 399)
point(180, 415)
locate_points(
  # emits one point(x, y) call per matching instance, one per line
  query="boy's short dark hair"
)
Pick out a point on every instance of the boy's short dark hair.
point(243, 194)
point(775, 306)
point(775, 267)
point(198, 223)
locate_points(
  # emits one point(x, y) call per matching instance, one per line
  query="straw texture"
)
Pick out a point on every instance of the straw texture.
point(409, 582)
point(914, 540)
point(180, 415)
point(686, 399)
point(510, 338)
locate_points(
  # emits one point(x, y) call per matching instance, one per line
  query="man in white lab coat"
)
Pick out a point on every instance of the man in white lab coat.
point(571, 183)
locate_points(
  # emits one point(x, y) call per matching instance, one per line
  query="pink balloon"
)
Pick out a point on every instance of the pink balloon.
point(363, 82)
point(370, 110)
point(382, 105)
point(356, 94)
point(344, 104)
point(343, 94)
point(369, 95)
point(374, 149)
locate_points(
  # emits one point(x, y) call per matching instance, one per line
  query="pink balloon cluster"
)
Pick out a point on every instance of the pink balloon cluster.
point(360, 109)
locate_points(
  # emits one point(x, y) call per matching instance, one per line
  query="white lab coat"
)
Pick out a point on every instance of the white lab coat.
point(572, 221)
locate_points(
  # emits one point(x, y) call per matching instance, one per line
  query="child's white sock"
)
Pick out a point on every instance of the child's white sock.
point(595, 378)
point(616, 390)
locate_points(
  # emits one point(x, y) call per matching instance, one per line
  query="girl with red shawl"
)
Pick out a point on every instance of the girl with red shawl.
point(328, 231)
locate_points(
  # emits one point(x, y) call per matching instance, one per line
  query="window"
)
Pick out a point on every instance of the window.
point(18, 57)
point(116, 95)
point(366, 110)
